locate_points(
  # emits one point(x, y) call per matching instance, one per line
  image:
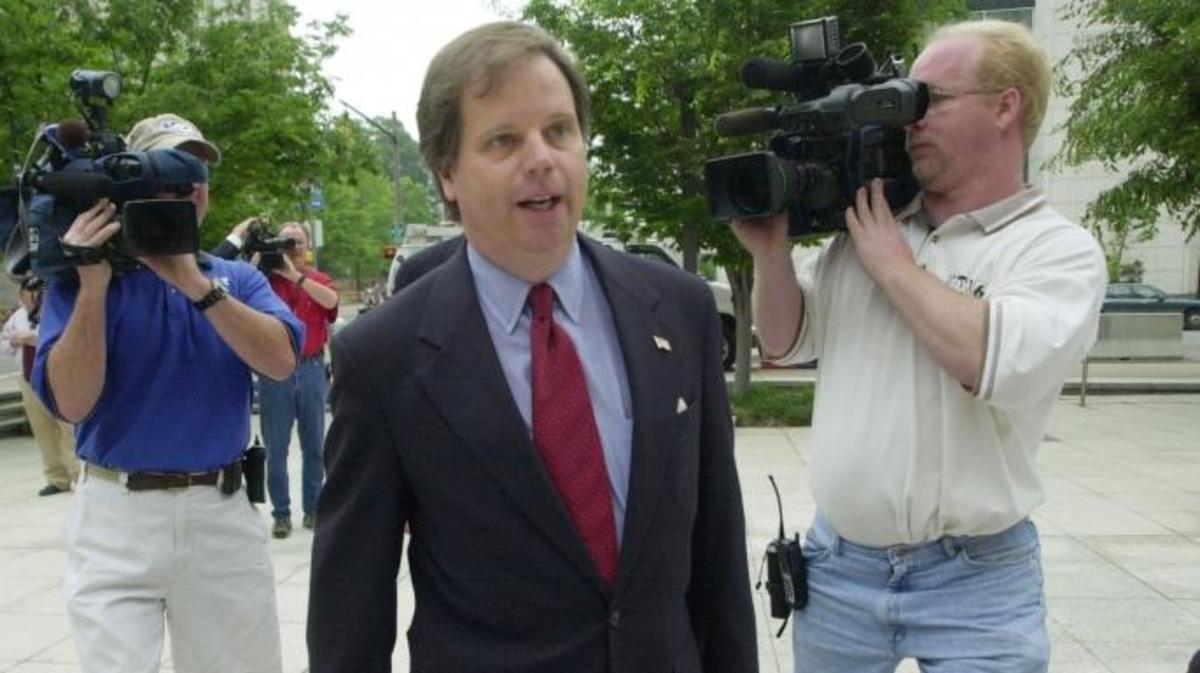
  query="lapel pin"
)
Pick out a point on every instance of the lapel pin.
point(662, 343)
point(680, 406)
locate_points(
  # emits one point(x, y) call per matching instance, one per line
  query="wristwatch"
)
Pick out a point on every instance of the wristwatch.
point(216, 294)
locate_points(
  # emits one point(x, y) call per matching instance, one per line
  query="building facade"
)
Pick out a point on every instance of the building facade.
point(1170, 261)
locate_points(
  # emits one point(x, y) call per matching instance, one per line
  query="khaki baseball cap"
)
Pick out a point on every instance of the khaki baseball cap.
point(170, 131)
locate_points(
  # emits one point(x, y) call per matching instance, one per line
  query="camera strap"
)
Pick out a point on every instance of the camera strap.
point(81, 255)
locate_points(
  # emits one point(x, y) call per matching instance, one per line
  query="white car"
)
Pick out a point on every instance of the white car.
point(722, 294)
point(402, 253)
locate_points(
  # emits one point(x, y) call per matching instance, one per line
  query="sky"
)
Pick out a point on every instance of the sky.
point(380, 66)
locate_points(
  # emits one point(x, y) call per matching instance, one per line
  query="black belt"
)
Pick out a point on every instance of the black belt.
point(158, 481)
point(155, 481)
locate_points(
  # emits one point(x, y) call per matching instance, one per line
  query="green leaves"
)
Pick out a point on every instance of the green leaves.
point(248, 77)
point(1136, 108)
point(660, 71)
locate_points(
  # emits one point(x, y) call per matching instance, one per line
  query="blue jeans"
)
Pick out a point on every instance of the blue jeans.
point(956, 605)
point(299, 398)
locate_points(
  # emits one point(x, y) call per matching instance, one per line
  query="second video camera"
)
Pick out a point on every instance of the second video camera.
point(847, 129)
point(269, 246)
point(76, 162)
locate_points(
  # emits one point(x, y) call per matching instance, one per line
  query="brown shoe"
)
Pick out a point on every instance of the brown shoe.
point(51, 489)
point(282, 527)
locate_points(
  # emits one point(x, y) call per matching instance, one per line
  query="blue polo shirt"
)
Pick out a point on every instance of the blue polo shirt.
point(176, 398)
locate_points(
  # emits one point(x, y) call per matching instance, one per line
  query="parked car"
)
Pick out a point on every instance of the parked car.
point(417, 237)
point(1142, 298)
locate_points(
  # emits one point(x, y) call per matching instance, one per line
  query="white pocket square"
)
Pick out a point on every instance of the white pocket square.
point(681, 406)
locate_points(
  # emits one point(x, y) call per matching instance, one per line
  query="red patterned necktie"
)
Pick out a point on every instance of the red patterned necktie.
point(564, 431)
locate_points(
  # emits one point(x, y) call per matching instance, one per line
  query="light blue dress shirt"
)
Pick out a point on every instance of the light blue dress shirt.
point(583, 312)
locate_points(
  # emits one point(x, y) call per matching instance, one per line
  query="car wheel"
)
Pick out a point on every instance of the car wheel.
point(1191, 319)
point(728, 343)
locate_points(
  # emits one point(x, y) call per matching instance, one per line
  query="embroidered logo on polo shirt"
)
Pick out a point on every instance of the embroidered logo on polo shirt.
point(967, 285)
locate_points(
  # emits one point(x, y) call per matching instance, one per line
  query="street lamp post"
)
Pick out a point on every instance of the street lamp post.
point(399, 186)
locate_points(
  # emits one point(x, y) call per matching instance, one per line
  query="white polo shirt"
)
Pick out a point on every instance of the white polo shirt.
point(901, 452)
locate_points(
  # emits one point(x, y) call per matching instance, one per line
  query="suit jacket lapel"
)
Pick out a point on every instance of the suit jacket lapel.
point(652, 372)
point(466, 384)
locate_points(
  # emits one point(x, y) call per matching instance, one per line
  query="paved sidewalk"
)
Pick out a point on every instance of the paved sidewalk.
point(1120, 537)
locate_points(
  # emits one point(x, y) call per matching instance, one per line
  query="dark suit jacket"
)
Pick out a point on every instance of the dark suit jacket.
point(226, 250)
point(425, 432)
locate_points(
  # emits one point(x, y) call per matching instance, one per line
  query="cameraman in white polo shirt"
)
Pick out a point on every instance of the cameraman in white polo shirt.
point(944, 333)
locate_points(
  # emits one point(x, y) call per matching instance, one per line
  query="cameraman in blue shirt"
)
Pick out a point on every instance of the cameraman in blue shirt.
point(154, 367)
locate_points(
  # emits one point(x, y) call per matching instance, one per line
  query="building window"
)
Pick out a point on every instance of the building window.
point(988, 5)
point(1017, 11)
point(1023, 15)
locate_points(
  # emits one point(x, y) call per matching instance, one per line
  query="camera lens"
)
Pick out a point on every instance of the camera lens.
point(749, 191)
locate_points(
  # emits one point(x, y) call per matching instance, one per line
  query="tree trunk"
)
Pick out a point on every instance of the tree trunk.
point(690, 244)
point(741, 282)
point(689, 127)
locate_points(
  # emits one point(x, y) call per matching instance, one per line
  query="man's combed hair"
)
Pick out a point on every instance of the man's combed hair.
point(474, 63)
point(1011, 58)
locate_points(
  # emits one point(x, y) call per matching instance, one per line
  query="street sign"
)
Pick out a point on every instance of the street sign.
point(316, 198)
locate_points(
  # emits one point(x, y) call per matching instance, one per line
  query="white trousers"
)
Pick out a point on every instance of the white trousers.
point(191, 558)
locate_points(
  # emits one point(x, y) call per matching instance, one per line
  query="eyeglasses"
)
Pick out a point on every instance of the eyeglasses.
point(939, 96)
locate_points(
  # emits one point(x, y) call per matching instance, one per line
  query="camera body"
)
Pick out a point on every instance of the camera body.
point(76, 162)
point(846, 129)
point(269, 246)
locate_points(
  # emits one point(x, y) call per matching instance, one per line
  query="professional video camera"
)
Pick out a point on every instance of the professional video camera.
point(77, 163)
point(846, 130)
point(269, 246)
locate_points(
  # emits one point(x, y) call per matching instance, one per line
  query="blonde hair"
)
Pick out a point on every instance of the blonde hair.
point(1011, 58)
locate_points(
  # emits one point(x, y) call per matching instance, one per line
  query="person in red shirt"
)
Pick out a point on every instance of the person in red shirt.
point(300, 398)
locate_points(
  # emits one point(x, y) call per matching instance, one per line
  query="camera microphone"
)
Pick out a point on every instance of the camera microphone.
point(72, 133)
point(750, 120)
point(87, 187)
point(766, 73)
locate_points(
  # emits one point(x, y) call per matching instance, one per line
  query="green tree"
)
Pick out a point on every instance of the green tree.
point(360, 207)
point(660, 71)
point(40, 48)
point(255, 89)
point(1135, 109)
point(241, 71)
point(412, 165)
point(420, 198)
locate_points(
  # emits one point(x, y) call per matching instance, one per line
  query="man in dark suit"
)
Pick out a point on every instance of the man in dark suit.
point(564, 464)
